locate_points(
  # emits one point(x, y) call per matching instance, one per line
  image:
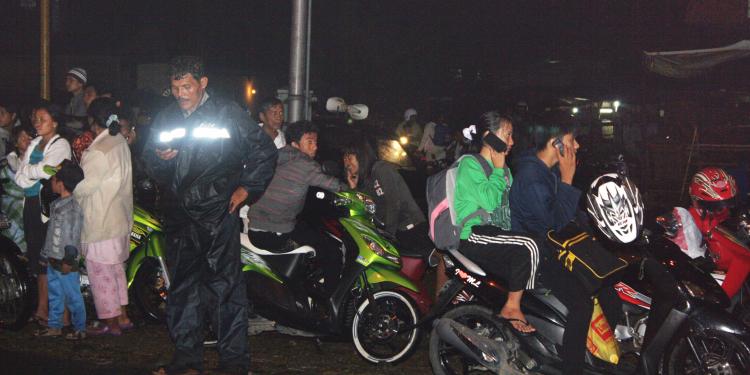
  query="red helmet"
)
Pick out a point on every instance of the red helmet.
point(713, 189)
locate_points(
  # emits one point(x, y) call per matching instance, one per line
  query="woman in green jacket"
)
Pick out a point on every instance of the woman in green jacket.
point(487, 239)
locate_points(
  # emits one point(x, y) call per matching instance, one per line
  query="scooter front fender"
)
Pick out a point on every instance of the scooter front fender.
point(378, 274)
point(153, 248)
point(712, 319)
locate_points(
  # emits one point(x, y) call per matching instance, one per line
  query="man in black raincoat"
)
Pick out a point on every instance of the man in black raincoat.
point(210, 157)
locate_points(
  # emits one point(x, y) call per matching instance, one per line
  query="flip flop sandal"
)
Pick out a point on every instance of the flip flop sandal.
point(127, 326)
point(48, 332)
point(38, 320)
point(76, 336)
point(102, 330)
point(518, 331)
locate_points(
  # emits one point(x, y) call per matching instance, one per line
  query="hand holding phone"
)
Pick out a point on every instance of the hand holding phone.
point(495, 143)
point(558, 143)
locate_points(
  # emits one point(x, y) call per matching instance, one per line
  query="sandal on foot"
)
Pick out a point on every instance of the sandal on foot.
point(127, 326)
point(48, 332)
point(76, 335)
point(38, 320)
point(518, 331)
point(102, 330)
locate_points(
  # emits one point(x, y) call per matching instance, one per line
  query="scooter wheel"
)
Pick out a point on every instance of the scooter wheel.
point(444, 359)
point(15, 291)
point(376, 328)
point(150, 292)
point(715, 352)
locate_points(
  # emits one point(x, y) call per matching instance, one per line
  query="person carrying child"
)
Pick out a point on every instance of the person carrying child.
point(61, 248)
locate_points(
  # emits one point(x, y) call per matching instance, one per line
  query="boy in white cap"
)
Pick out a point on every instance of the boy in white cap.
point(75, 80)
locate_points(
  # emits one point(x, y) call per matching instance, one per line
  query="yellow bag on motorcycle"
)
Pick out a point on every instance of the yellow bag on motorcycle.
point(601, 339)
point(592, 264)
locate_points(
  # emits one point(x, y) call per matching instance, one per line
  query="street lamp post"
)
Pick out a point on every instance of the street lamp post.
point(297, 60)
point(44, 79)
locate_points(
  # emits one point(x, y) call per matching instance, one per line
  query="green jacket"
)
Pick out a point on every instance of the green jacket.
point(474, 191)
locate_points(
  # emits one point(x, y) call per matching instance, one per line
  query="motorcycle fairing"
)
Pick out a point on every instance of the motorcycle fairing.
point(358, 228)
point(377, 274)
point(254, 263)
point(630, 295)
point(154, 248)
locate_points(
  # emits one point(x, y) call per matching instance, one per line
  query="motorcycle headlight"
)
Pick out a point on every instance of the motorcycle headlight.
point(341, 201)
point(377, 249)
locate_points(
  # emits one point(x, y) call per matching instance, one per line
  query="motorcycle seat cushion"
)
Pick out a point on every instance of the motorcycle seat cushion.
point(305, 249)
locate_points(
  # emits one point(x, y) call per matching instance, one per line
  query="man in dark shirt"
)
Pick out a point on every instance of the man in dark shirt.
point(542, 200)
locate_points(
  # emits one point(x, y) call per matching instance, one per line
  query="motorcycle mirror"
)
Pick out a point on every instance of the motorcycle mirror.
point(336, 104)
point(358, 111)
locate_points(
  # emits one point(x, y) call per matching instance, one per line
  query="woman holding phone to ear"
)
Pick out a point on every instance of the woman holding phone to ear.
point(487, 239)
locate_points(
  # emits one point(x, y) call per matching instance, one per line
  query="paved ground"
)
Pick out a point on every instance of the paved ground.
point(137, 351)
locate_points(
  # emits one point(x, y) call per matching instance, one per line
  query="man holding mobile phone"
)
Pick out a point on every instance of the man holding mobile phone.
point(210, 157)
point(542, 200)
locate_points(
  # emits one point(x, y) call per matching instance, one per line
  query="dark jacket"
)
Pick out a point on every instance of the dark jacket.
point(539, 200)
point(231, 151)
point(394, 203)
point(277, 209)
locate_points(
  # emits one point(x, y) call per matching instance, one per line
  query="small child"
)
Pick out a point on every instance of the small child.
point(61, 250)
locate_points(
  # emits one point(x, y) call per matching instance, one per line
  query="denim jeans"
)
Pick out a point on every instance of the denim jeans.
point(65, 290)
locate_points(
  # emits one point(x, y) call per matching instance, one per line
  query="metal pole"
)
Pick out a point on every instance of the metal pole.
point(308, 114)
point(44, 83)
point(297, 60)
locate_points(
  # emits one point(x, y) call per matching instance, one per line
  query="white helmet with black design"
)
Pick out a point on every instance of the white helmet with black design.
point(616, 207)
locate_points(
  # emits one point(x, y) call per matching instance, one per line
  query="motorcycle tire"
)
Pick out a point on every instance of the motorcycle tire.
point(375, 327)
point(480, 319)
point(16, 294)
point(722, 353)
point(149, 291)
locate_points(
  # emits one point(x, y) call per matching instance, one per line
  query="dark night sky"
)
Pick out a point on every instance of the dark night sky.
point(361, 47)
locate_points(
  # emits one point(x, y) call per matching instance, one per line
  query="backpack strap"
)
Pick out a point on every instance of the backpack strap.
point(484, 163)
point(480, 212)
point(487, 172)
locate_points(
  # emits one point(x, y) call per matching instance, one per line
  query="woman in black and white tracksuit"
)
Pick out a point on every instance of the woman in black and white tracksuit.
point(482, 185)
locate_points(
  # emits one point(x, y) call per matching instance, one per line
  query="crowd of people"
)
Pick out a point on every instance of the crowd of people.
point(213, 161)
point(68, 177)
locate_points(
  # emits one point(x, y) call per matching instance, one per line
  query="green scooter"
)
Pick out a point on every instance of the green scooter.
point(373, 303)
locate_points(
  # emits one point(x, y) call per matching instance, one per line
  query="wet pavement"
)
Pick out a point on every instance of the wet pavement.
point(137, 351)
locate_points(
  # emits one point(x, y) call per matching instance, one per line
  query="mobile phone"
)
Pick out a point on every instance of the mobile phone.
point(495, 142)
point(559, 145)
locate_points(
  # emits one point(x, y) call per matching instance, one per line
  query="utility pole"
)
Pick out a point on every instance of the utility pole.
point(44, 75)
point(297, 60)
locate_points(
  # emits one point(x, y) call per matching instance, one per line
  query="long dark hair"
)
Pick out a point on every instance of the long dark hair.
point(366, 157)
point(104, 113)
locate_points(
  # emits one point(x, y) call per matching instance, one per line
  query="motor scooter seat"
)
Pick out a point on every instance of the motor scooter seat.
point(470, 266)
point(305, 249)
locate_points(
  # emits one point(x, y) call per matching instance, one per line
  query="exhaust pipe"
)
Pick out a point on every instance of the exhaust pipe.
point(485, 351)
